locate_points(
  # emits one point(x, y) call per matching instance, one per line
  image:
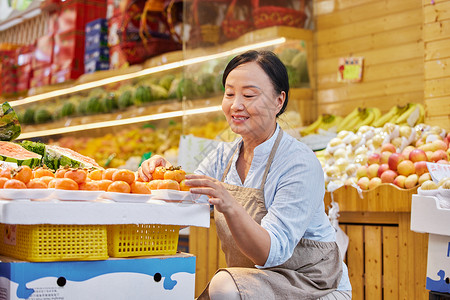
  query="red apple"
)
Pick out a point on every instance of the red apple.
point(405, 167)
point(388, 147)
point(374, 182)
point(438, 155)
point(382, 168)
point(374, 158)
point(385, 156)
point(363, 183)
point(417, 155)
point(372, 170)
point(420, 167)
point(394, 160)
point(388, 176)
point(429, 155)
point(400, 181)
point(411, 181)
point(407, 150)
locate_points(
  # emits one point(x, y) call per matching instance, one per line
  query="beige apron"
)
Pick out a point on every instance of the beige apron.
point(313, 270)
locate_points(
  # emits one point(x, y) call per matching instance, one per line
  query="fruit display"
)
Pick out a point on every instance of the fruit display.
point(393, 153)
point(410, 114)
point(9, 123)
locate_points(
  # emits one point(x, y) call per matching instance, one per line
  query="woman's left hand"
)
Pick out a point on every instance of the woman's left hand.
point(214, 189)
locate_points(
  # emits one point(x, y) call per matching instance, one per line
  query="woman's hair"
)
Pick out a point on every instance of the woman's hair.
point(271, 65)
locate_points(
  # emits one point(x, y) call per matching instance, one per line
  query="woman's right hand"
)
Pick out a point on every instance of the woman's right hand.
point(148, 166)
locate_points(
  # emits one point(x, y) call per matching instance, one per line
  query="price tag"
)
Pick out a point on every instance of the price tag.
point(350, 69)
point(192, 150)
point(438, 171)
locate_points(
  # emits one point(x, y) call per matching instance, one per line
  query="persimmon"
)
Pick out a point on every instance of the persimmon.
point(2, 181)
point(168, 184)
point(66, 184)
point(183, 186)
point(36, 183)
point(96, 174)
point(60, 172)
point(108, 173)
point(158, 173)
point(139, 187)
point(89, 186)
point(5, 172)
point(41, 172)
point(52, 183)
point(153, 184)
point(14, 184)
point(119, 187)
point(124, 175)
point(175, 173)
point(22, 173)
point(77, 175)
point(46, 179)
point(104, 184)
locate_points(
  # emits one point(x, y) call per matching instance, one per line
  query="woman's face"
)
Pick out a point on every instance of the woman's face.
point(250, 103)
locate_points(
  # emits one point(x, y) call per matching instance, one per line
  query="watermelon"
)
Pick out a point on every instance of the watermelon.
point(55, 157)
point(9, 123)
point(125, 99)
point(12, 152)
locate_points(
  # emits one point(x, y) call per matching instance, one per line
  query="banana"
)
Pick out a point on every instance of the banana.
point(404, 116)
point(352, 124)
point(312, 127)
point(349, 118)
point(377, 113)
point(366, 118)
point(386, 117)
point(422, 113)
point(331, 122)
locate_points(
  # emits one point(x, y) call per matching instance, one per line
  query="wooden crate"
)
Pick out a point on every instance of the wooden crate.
point(386, 260)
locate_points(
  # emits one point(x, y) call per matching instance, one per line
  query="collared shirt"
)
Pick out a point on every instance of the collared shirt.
point(294, 193)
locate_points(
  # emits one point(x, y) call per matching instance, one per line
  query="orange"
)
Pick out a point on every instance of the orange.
point(41, 172)
point(119, 187)
point(6, 173)
point(46, 179)
point(153, 184)
point(36, 183)
point(89, 186)
point(104, 184)
point(183, 186)
point(176, 174)
point(66, 184)
point(124, 175)
point(14, 184)
point(60, 172)
point(96, 174)
point(158, 173)
point(108, 173)
point(168, 184)
point(2, 181)
point(77, 175)
point(22, 173)
point(139, 187)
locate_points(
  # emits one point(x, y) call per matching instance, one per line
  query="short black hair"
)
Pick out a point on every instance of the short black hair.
point(272, 66)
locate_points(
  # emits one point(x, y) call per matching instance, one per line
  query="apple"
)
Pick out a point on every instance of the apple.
point(350, 181)
point(417, 155)
point(400, 181)
point(363, 183)
point(405, 167)
point(385, 156)
point(439, 145)
point(388, 176)
point(388, 147)
point(429, 185)
point(411, 181)
point(407, 150)
point(382, 168)
point(438, 155)
point(397, 142)
point(420, 167)
point(372, 170)
point(394, 159)
point(405, 131)
point(424, 177)
point(427, 147)
point(374, 158)
point(361, 172)
point(429, 155)
point(374, 182)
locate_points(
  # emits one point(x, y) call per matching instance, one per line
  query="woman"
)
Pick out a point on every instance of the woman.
point(267, 189)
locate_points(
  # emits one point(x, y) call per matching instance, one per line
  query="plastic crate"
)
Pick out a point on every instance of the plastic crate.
point(127, 240)
point(45, 242)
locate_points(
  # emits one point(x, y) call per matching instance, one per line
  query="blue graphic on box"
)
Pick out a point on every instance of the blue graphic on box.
point(97, 26)
point(85, 270)
point(438, 285)
point(98, 54)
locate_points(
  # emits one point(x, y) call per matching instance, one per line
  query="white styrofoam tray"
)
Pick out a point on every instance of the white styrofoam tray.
point(105, 212)
point(427, 216)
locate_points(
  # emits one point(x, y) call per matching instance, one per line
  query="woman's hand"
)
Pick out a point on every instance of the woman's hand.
point(218, 195)
point(148, 166)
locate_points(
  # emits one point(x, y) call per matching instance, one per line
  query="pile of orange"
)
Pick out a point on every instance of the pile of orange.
point(172, 178)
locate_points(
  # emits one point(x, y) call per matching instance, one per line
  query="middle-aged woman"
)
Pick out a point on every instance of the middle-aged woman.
point(267, 189)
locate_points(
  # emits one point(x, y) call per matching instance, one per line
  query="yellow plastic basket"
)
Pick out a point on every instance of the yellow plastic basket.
point(45, 242)
point(127, 240)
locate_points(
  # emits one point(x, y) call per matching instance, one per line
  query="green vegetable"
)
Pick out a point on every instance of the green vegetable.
point(9, 123)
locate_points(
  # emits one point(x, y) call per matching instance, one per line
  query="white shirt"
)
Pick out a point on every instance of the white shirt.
point(293, 192)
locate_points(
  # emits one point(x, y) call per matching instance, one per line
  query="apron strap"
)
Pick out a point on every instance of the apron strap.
point(271, 156)
point(229, 163)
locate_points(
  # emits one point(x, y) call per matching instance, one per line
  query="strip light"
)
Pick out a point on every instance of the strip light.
point(148, 71)
point(127, 121)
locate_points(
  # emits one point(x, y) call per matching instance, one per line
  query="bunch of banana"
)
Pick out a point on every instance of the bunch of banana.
point(359, 117)
point(409, 114)
point(324, 122)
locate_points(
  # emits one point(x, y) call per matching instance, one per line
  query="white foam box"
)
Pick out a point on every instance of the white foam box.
point(428, 217)
point(155, 277)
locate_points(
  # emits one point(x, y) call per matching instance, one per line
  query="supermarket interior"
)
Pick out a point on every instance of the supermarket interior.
point(92, 91)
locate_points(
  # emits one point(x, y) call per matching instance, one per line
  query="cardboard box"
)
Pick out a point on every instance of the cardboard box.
point(156, 277)
point(99, 54)
point(97, 26)
point(75, 14)
point(43, 53)
point(92, 66)
point(96, 41)
point(69, 56)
